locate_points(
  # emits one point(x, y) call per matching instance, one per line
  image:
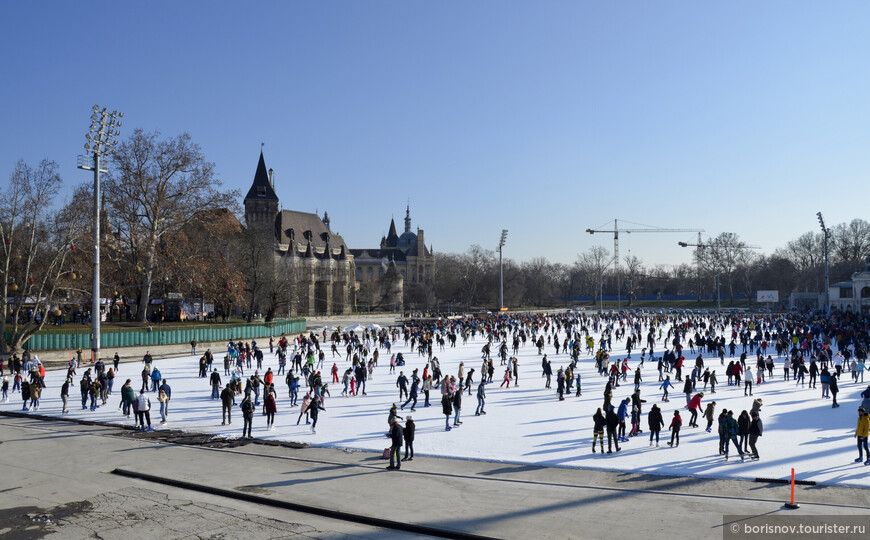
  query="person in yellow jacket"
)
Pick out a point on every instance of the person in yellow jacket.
point(861, 433)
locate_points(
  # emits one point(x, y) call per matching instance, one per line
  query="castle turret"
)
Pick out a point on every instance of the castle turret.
point(261, 202)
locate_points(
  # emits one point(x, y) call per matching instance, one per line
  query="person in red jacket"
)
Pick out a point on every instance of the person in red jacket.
point(675, 429)
point(694, 407)
point(334, 372)
point(679, 367)
point(268, 377)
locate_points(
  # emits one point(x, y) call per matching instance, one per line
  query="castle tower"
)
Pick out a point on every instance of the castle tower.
point(261, 202)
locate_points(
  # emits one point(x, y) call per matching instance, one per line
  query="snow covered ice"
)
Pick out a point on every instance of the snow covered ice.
point(523, 425)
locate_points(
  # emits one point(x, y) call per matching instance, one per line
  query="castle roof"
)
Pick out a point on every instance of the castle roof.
point(261, 189)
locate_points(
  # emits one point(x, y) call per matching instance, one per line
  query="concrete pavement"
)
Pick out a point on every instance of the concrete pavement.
point(48, 463)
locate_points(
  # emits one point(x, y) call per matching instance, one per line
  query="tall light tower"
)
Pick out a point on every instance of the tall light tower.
point(827, 232)
point(500, 270)
point(101, 142)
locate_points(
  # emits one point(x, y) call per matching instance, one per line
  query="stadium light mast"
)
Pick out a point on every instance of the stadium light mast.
point(500, 270)
point(827, 232)
point(102, 138)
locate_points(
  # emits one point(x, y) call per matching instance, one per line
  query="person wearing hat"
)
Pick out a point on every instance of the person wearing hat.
point(861, 433)
point(397, 437)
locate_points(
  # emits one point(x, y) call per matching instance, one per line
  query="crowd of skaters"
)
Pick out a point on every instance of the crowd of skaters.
point(808, 351)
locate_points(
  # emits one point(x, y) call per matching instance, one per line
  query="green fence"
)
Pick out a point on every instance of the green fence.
point(111, 338)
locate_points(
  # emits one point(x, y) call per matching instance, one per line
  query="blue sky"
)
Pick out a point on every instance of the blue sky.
point(544, 118)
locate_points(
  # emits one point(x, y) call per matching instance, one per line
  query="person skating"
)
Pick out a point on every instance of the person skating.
point(457, 404)
point(396, 436)
point(834, 386)
point(227, 398)
point(215, 381)
point(314, 410)
point(481, 397)
point(271, 407)
point(755, 430)
point(598, 429)
point(413, 395)
point(676, 423)
point(694, 407)
point(743, 422)
point(612, 422)
point(143, 410)
point(248, 407)
point(656, 423)
point(622, 412)
point(665, 386)
point(861, 433)
point(708, 415)
point(731, 430)
point(306, 404)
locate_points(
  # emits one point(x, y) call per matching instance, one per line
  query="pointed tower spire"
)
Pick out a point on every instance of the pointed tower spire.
point(392, 237)
point(408, 217)
point(261, 189)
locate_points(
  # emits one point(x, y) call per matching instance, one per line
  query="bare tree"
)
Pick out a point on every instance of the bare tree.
point(807, 255)
point(158, 186)
point(850, 244)
point(38, 247)
point(632, 275)
point(474, 271)
point(593, 264)
point(539, 280)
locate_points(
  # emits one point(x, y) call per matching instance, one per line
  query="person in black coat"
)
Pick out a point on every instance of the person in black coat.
point(656, 423)
point(612, 422)
point(408, 434)
point(755, 430)
point(598, 430)
point(834, 388)
point(396, 434)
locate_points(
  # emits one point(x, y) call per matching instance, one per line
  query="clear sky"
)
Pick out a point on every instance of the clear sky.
point(544, 118)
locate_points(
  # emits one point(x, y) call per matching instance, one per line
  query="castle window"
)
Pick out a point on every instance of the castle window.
point(359, 274)
point(371, 273)
point(261, 191)
point(381, 272)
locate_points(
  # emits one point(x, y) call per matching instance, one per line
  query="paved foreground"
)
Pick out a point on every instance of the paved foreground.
point(56, 482)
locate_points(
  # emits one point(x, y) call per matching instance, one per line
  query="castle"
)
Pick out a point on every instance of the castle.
point(311, 267)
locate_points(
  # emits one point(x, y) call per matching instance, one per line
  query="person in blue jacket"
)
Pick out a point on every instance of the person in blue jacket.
point(155, 379)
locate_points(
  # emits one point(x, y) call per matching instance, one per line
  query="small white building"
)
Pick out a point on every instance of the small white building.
point(852, 295)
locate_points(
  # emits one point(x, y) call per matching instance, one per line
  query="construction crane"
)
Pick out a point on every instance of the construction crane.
point(616, 230)
point(702, 245)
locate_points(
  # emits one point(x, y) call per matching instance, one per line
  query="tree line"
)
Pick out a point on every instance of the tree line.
point(471, 279)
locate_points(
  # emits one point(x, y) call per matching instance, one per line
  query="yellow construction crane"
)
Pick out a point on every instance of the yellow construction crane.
point(616, 230)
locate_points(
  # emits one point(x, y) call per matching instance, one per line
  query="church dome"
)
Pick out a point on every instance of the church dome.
point(407, 240)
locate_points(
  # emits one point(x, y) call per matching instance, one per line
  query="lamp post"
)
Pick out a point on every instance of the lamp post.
point(101, 142)
point(827, 233)
point(500, 270)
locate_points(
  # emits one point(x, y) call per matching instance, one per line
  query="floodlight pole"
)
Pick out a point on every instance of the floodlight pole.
point(102, 135)
point(827, 233)
point(501, 270)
